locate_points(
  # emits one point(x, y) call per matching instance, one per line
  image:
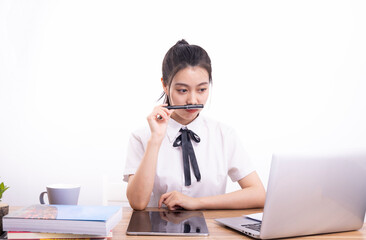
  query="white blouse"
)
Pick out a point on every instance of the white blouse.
point(219, 154)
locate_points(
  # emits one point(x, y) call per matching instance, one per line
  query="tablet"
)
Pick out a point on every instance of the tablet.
point(174, 223)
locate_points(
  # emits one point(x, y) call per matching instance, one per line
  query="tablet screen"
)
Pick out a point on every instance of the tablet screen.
point(190, 223)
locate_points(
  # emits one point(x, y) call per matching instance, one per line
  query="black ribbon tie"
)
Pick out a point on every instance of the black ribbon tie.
point(184, 140)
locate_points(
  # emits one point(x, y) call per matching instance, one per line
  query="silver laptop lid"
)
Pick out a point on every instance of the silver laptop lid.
point(314, 194)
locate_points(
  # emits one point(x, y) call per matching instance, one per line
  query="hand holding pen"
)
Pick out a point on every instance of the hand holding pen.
point(158, 126)
point(159, 117)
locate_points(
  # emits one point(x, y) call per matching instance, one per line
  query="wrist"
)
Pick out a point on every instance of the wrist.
point(155, 139)
point(200, 203)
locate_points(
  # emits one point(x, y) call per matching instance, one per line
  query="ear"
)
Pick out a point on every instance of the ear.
point(164, 87)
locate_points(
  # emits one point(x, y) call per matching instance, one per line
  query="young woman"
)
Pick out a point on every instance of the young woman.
point(183, 159)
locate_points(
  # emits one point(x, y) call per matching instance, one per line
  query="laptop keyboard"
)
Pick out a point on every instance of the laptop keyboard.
point(255, 227)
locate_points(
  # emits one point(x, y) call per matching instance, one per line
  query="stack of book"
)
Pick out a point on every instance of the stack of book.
point(54, 236)
point(62, 222)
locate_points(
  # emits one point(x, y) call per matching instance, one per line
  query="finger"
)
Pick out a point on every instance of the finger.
point(172, 208)
point(158, 110)
point(172, 202)
point(162, 115)
point(160, 201)
point(168, 111)
point(169, 199)
point(162, 198)
point(157, 116)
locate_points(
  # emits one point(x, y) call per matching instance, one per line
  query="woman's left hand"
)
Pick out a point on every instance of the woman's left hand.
point(176, 200)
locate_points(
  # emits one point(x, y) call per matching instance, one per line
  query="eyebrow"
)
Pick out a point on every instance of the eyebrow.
point(186, 85)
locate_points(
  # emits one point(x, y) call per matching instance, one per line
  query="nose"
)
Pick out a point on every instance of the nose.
point(192, 98)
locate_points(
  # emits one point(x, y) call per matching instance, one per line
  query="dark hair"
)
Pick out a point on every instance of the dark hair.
point(180, 56)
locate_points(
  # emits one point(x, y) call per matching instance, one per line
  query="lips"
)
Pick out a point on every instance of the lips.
point(191, 110)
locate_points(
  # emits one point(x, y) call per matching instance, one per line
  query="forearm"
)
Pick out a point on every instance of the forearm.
point(250, 197)
point(141, 183)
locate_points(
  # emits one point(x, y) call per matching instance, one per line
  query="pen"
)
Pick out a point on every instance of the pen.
point(189, 106)
point(193, 106)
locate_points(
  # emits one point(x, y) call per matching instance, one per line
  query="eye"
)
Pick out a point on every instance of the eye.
point(202, 89)
point(182, 90)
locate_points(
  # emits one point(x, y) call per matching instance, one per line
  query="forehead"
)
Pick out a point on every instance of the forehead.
point(191, 76)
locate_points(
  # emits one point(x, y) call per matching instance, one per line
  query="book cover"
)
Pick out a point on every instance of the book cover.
point(13, 235)
point(76, 219)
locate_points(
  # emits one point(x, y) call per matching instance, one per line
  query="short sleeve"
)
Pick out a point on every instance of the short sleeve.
point(239, 162)
point(135, 153)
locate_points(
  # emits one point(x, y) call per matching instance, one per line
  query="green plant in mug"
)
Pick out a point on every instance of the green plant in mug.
point(3, 188)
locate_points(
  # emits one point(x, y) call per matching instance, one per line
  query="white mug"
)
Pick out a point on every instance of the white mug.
point(61, 194)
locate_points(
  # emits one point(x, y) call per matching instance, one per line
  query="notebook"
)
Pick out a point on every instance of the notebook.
point(173, 223)
point(309, 194)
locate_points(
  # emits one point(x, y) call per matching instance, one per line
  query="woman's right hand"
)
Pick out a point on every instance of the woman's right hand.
point(158, 124)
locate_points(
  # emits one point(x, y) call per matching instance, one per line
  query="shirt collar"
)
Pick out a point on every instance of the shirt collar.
point(174, 127)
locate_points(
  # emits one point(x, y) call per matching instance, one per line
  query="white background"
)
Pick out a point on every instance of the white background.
point(76, 77)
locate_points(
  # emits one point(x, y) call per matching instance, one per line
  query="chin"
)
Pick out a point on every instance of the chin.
point(190, 117)
point(186, 117)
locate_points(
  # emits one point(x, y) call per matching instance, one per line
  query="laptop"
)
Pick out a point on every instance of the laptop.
point(171, 223)
point(309, 195)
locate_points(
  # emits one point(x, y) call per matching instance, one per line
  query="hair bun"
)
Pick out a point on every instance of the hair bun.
point(182, 42)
